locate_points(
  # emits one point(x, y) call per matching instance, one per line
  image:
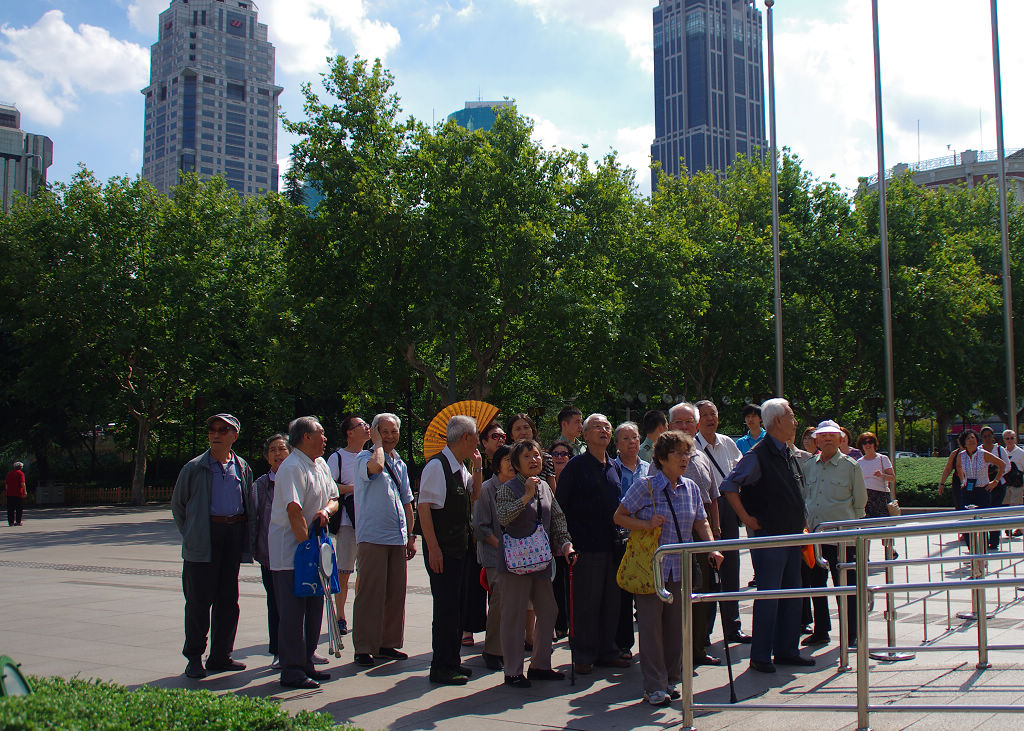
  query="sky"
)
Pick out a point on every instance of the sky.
point(581, 69)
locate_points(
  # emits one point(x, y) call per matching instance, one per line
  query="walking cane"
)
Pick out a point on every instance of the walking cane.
point(725, 641)
point(572, 622)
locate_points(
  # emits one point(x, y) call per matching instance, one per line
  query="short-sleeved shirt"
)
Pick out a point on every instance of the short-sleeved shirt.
point(723, 452)
point(747, 441)
point(307, 483)
point(688, 508)
point(225, 488)
point(699, 470)
point(433, 489)
point(380, 501)
point(833, 489)
point(343, 473)
point(647, 450)
point(627, 476)
point(868, 467)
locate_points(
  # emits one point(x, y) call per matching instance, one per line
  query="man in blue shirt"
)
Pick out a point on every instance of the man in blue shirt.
point(752, 418)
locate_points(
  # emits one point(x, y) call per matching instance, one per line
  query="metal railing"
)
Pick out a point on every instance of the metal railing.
point(978, 523)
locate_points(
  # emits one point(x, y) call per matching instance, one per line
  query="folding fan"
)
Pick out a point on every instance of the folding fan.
point(436, 436)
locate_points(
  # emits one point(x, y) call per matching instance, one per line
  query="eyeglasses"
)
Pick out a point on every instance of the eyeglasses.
point(560, 455)
point(498, 435)
point(219, 429)
point(684, 455)
point(870, 441)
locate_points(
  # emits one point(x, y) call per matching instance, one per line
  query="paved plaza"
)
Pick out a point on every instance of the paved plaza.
point(96, 593)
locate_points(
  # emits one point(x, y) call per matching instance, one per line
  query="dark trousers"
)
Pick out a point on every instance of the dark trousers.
point(982, 498)
point(213, 585)
point(560, 587)
point(703, 617)
point(15, 507)
point(596, 599)
point(776, 623)
point(819, 577)
point(474, 603)
point(624, 629)
point(448, 589)
point(729, 571)
point(273, 617)
point(299, 629)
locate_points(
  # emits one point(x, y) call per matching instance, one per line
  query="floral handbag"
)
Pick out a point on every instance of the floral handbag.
point(530, 554)
point(636, 572)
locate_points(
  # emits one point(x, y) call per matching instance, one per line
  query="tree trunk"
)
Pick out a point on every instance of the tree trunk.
point(139, 475)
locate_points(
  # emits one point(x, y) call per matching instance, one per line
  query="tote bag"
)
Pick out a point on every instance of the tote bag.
point(636, 573)
point(530, 554)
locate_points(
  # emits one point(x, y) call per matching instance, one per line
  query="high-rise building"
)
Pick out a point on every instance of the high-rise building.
point(478, 115)
point(708, 84)
point(24, 157)
point(211, 103)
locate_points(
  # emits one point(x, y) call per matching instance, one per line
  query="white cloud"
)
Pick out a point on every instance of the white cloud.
point(630, 20)
point(435, 20)
point(143, 14)
point(50, 62)
point(303, 31)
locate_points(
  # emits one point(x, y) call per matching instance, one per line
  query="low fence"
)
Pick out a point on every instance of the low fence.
point(46, 495)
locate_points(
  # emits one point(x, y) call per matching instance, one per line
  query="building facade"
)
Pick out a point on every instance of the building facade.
point(708, 84)
point(478, 115)
point(24, 157)
point(968, 168)
point(211, 103)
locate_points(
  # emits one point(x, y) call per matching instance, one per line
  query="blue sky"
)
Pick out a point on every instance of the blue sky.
point(580, 68)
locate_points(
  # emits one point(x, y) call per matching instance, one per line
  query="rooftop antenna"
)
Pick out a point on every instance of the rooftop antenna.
point(479, 94)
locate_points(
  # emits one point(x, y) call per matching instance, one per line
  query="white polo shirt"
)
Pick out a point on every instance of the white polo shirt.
point(307, 483)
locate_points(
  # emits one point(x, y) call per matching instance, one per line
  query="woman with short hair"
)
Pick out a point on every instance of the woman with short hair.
point(275, 450)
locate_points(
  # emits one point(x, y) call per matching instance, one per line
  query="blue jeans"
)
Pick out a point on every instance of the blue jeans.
point(776, 621)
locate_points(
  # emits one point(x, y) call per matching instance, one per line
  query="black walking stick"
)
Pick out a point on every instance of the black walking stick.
point(571, 561)
point(725, 641)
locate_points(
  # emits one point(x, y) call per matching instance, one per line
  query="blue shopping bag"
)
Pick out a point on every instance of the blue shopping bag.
point(313, 552)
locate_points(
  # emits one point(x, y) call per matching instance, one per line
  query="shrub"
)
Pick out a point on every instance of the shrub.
point(917, 482)
point(58, 703)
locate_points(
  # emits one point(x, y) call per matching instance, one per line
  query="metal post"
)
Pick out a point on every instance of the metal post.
point(890, 655)
point(686, 592)
point(883, 231)
point(775, 202)
point(844, 618)
point(1011, 382)
point(862, 634)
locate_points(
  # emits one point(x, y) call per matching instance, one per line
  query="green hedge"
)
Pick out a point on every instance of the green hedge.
point(917, 482)
point(58, 703)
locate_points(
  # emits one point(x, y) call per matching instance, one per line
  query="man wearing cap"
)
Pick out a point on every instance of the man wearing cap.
point(212, 506)
point(833, 489)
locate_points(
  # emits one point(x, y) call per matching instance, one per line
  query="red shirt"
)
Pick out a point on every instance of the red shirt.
point(15, 483)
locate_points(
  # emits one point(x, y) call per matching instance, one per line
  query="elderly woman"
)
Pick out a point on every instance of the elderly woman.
point(275, 450)
point(665, 498)
point(487, 532)
point(16, 493)
point(525, 504)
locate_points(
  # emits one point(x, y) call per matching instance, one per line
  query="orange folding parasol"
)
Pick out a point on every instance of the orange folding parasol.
point(436, 436)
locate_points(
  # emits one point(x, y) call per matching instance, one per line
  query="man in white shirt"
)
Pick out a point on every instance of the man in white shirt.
point(447, 491)
point(723, 454)
point(304, 495)
point(1014, 493)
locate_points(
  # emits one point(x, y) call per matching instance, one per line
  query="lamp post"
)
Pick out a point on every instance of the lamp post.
point(1011, 383)
point(777, 269)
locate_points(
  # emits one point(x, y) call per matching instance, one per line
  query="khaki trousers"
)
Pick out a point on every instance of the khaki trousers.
point(516, 593)
point(661, 638)
point(378, 612)
point(492, 641)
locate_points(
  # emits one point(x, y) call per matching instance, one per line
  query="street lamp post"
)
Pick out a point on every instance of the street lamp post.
point(775, 201)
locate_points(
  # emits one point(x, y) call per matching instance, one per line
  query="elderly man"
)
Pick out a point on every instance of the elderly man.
point(631, 469)
point(1015, 466)
point(304, 496)
point(766, 491)
point(684, 418)
point(588, 493)
point(447, 492)
point(723, 454)
point(570, 426)
point(654, 424)
point(384, 542)
point(833, 490)
point(213, 510)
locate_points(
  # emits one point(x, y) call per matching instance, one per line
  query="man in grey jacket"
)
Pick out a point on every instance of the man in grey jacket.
point(212, 507)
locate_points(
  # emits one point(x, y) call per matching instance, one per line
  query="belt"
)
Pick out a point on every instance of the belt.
point(228, 519)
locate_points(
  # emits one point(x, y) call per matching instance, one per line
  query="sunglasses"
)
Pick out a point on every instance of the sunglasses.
point(557, 455)
point(498, 435)
point(219, 429)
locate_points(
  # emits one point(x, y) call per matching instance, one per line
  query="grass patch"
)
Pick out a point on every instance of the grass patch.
point(93, 705)
point(917, 482)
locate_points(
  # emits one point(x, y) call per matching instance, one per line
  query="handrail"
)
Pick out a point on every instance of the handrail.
point(983, 521)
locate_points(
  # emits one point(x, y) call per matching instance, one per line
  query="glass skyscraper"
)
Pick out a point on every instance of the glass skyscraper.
point(708, 84)
point(211, 103)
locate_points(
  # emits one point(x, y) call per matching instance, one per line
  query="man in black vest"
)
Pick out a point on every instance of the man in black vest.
point(447, 491)
point(765, 491)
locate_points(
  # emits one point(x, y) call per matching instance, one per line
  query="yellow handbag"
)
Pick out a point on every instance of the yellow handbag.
point(635, 574)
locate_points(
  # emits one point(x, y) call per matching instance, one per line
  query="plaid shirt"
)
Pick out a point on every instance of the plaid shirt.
point(688, 509)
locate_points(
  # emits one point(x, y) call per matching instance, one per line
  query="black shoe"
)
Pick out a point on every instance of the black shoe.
point(195, 670)
point(542, 674)
point(740, 638)
point(392, 654)
point(224, 666)
point(365, 659)
point(448, 677)
point(707, 660)
point(815, 639)
point(466, 670)
point(318, 675)
point(493, 662)
point(752, 584)
point(304, 684)
point(806, 630)
point(342, 627)
point(802, 662)
point(762, 667)
point(517, 681)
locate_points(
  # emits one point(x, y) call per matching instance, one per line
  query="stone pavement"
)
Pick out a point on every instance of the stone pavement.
point(96, 592)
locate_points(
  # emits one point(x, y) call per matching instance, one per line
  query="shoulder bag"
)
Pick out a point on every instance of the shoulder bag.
point(636, 572)
point(530, 554)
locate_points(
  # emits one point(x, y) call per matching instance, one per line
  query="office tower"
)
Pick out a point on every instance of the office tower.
point(211, 103)
point(24, 157)
point(708, 84)
point(478, 115)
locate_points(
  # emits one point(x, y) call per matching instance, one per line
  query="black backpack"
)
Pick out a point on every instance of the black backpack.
point(1014, 478)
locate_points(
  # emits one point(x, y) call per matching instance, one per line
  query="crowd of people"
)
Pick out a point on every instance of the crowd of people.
point(522, 541)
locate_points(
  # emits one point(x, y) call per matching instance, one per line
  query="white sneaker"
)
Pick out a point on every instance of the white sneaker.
point(658, 698)
point(319, 659)
point(276, 665)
